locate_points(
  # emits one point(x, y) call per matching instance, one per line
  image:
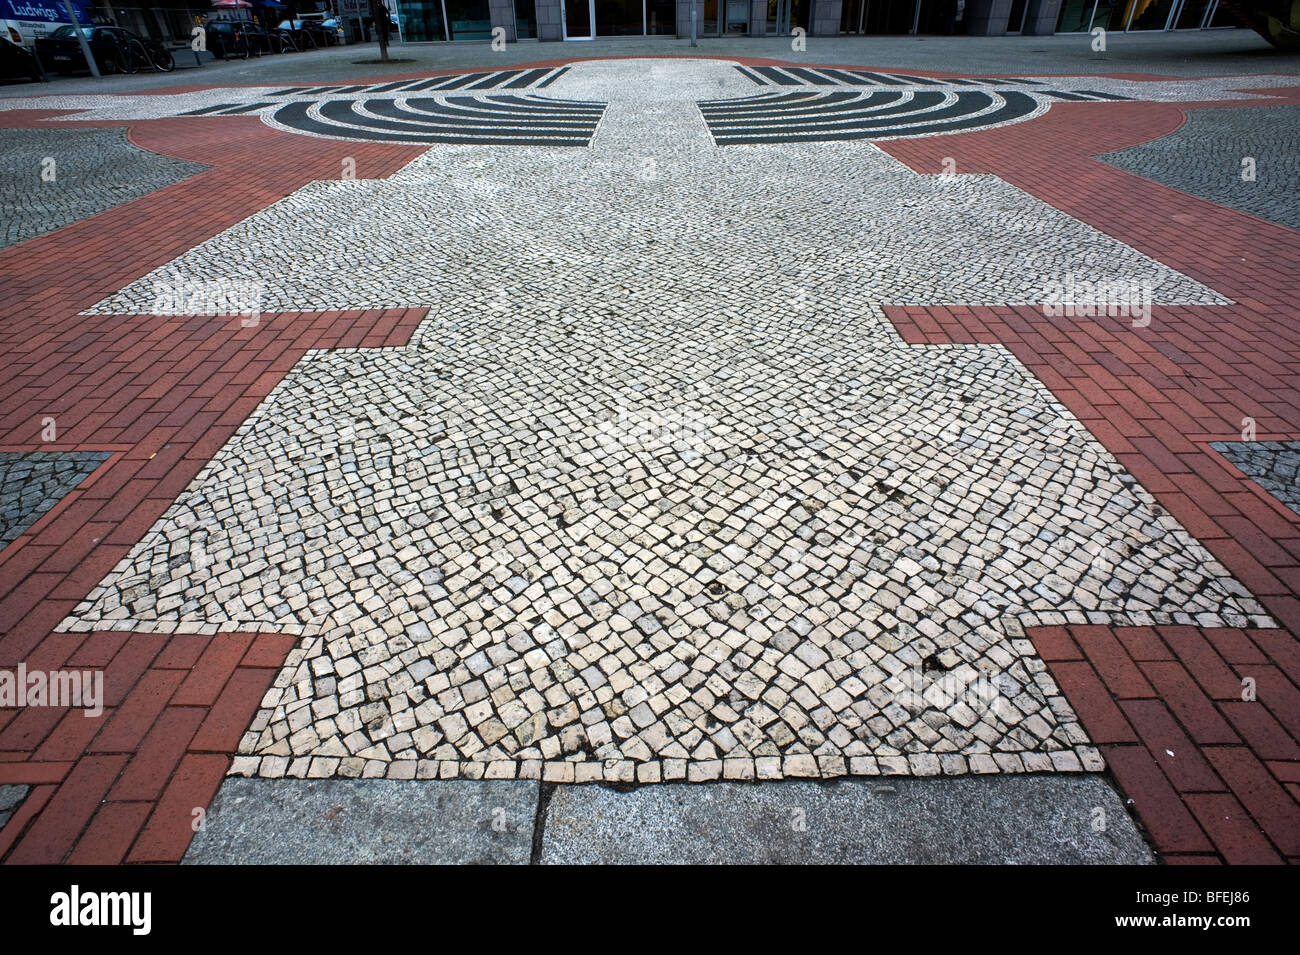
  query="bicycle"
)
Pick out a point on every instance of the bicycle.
point(133, 55)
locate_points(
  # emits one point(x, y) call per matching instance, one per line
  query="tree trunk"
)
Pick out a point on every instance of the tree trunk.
point(379, 15)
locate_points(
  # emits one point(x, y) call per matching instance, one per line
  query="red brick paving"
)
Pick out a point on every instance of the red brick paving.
point(163, 394)
point(1207, 771)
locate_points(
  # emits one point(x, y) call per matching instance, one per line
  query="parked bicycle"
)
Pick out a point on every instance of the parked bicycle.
point(135, 54)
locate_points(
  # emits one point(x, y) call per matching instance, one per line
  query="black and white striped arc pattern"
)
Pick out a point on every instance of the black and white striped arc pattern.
point(826, 116)
point(499, 120)
point(808, 76)
point(486, 80)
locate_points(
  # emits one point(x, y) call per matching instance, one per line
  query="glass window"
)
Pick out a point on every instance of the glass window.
point(1189, 18)
point(1110, 14)
point(526, 19)
point(421, 20)
point(619, 18)
point(661, 17)
point(1223, 17)
point(469, 19)
point(1150, 14)
point(1075, 16)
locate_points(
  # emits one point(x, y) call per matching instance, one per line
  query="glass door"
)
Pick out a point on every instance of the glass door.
point(778, 17)
point(579, 15)
point(710, 23)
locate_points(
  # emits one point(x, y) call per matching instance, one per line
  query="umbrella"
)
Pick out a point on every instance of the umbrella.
point(230, 4)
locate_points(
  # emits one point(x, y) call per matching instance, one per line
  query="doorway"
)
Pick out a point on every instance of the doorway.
point(579, 16)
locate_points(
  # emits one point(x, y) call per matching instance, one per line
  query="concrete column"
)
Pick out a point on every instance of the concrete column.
point(503, 15)
point(825, 19)
point(987, 17)
point(1041, 17)
point(550, 25)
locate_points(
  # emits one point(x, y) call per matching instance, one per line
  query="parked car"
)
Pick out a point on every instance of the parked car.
point(335, 26)
point(308, 33)
point(17, 62)
point(115, 51)
point(228, 39)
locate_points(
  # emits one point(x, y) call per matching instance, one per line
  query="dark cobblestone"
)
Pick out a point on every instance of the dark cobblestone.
point(94, 170)
point(32, 483)
point(11, 797)
point(1204, 158)
point(1273, 465)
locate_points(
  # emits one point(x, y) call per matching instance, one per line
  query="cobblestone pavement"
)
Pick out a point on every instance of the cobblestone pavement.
point(655, 458)
point(1273, 465)
point(11, 798)
point(52, 177)
point(753, 520)
point(1247, 159)
point(32, 483)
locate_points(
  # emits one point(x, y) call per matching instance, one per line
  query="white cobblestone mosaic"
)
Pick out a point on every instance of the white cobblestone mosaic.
point(657, 492)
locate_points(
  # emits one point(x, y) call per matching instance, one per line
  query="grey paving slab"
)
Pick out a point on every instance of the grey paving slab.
point(967, 820)
point(332, 821)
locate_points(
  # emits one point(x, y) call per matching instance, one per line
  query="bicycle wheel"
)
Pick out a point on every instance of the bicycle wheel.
point(139, 56)
point(163, 61)
point(125, 61)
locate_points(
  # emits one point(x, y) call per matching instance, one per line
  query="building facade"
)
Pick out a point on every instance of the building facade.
point(422, 20)
point(585, 19)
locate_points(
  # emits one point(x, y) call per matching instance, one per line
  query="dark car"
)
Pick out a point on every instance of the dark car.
point(237, 39)
point(308, 34)
point(115, 51)
point(17, 62)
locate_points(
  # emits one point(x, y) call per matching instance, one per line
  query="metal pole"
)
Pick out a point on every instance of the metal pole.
point(916, 18)
point(81, 38)
point(693, 5)
point(1173, 14)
